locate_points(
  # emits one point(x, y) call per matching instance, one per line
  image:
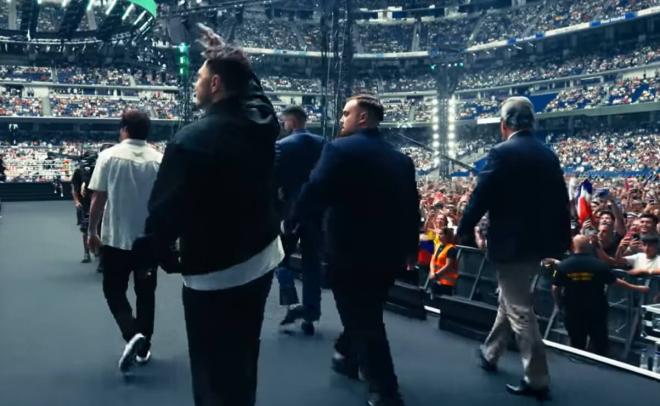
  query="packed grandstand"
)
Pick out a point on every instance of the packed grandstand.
point(597, 104)
point(591, 69)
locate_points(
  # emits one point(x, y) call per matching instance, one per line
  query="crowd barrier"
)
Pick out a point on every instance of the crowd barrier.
point(33, 191)
point(473, 307)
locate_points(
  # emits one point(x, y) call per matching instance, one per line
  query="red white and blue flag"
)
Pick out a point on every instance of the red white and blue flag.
point(583, 198)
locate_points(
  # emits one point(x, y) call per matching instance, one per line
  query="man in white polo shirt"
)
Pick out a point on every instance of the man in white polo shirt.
point(122, 182)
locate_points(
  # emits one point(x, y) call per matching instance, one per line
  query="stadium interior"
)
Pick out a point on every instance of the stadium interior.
point(441, 68)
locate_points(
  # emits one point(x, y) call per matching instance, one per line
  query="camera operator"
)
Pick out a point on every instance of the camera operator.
point(3, 176)
point(82, 197)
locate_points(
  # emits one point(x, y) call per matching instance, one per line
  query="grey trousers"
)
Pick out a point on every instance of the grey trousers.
point(515, 314)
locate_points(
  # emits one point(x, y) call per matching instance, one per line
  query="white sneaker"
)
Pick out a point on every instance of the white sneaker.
point(128, 356)
point(143, 360)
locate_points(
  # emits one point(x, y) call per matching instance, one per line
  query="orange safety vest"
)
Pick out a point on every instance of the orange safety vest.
point(450, 276)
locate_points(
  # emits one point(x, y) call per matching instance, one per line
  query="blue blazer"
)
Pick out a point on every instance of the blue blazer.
point(523, 191)
point(295, 157)
point(369, 191)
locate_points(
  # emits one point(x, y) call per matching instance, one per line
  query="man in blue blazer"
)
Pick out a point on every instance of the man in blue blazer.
point(367, 190)
point(296, 156)
point(523, 191)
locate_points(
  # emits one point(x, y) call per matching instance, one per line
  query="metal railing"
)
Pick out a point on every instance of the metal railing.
point(478, 282)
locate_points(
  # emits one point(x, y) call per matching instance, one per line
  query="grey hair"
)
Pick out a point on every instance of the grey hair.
point(517, 113)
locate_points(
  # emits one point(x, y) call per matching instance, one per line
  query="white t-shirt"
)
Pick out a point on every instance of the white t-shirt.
point(641, 261)
point(127, 172)
point(239, 274)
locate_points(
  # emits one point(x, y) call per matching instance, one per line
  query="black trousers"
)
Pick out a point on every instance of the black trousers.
point(223, 329)
point(117, 268)
point(364, 340)
point(582, 323)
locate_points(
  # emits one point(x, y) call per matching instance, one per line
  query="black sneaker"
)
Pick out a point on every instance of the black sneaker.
point(307, 328)
point(86, 259)
point(293, 314)
point(376, 399)
point(486, 365)
point(342, 366)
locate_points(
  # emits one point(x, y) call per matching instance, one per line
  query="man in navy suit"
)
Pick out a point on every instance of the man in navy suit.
point(523, 191)
point(367, 190)
point(296, 156)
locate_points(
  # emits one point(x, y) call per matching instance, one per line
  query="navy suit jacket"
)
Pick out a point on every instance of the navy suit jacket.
point(369, 191)
point(295, 157)
point(523, 191)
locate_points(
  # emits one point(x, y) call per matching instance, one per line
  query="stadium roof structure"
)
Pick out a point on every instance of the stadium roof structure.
point(75, 21)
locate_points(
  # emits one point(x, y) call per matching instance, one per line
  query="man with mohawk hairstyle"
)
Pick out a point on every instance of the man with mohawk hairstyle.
point(214, 193)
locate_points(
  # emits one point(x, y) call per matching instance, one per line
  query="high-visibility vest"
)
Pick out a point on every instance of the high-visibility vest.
point(449, 277)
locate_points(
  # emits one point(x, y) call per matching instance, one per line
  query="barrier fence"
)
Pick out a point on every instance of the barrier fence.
point(477, 285)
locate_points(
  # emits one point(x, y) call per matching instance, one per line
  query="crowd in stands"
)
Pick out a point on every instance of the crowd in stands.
point(559, 67)
point(88, 76)
point(380, 38)
point(90, 106)
point(585, 97)
point(402, 84)
point(471, 109)
point(159, 105)
point(548, 15)
point(25, 73)
point(507, 23)
point(634, 90)
point(631, 90)
point(12, 103)
point(163, 106)
point(422, 158)
point(471, 142)
point(563, 13)
point(397, 109)
point(266, 33)
point(47, 161)
point(4, 15)
point(382, 4)
point(373, 85)
point(280, 83)
point(50, 17)
point(150, 78)
point(93, 76)
point(608, 150)
point(448, 32)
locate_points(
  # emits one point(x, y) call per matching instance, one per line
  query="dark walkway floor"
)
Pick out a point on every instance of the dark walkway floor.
point(59, 344)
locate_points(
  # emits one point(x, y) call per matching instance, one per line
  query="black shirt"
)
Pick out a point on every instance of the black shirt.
point(81, 176)
point(583, 278)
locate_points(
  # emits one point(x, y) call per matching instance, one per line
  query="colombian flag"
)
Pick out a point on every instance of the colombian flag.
point(425, 252)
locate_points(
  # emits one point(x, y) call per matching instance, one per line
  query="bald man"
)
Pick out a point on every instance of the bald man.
point(579, 286)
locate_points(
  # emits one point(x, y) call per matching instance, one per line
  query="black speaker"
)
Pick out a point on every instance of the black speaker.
point(178, 29)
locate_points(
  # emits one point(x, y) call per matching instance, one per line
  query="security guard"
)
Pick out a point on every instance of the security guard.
point(444, 267)
point(579, 284)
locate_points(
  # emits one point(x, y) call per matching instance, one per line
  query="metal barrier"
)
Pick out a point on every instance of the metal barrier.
point(477, 282)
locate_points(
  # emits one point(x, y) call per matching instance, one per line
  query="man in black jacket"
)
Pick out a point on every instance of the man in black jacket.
point(522, 231)
point(296, 156)
point(369, 191)
point(214, 193)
